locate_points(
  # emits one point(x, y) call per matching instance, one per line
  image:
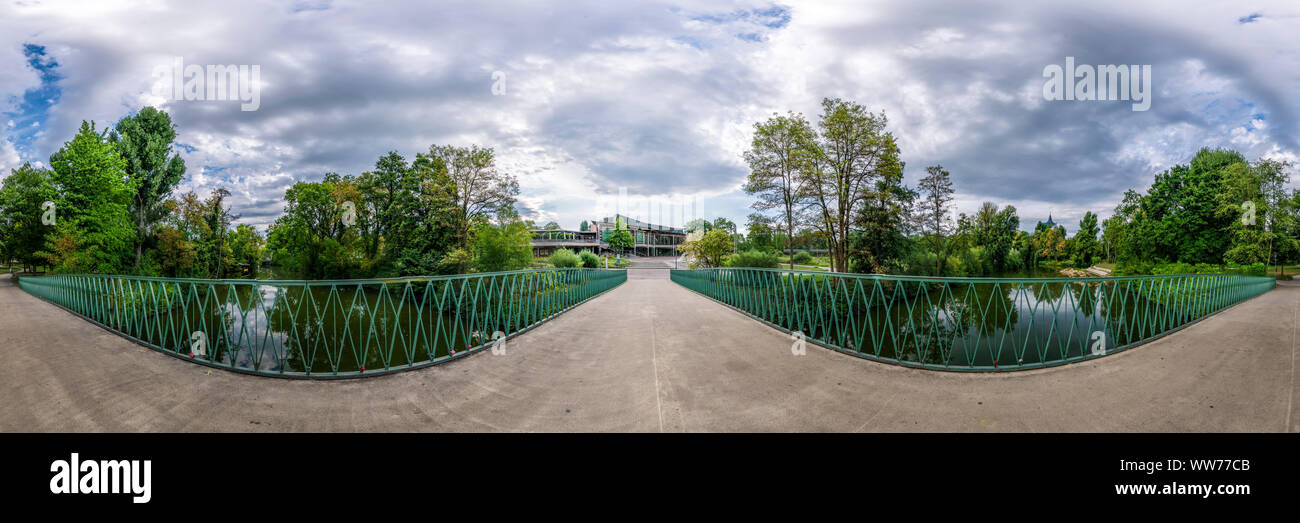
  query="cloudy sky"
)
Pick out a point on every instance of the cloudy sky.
point(659, 99)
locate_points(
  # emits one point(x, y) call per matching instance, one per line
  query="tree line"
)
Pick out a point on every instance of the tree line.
point(840, 180)
point(106, 204)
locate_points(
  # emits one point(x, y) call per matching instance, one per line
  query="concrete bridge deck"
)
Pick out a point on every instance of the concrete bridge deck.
point(659, 358)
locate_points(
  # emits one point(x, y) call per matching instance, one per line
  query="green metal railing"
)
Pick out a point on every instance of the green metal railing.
point(339, 328)
point(972, 324)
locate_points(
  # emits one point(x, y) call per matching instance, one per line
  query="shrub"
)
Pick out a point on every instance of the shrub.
point(755, 258)
point(974, 262)
point(589, 259)
point(1015, 260)
point(802, 257)
point(563, 259)
point(1254, 269)
point(1205, 268)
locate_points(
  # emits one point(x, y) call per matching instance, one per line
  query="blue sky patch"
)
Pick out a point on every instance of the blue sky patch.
point(26, 124)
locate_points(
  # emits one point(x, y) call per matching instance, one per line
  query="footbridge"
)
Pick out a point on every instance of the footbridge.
point(649, 354)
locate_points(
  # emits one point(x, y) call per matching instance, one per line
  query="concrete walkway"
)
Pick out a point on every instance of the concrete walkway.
point(652, 356)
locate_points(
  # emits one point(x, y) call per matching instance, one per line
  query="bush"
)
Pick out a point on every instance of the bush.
point(1144, 268)
point(1254, 269)
point(1015, 260)
point(974, 262)
point(564, 259)
point(755, 258)
point(589, 259)
point(802, 257)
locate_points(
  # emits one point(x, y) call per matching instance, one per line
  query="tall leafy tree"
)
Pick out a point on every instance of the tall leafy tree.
point(389, 191)
point(620, 238)
point(144, 140)
point(1111, 233)
point(933, 210)
point(318, 238)
point(246, 246)
point(1183, 205)
point(93, 226)
point(776, 157)
point(760, 233)
point(22, 232)
point(849, 153)
point(479, 188)
point(722, 223)
point(1085, 240)
point(882, 224)
point(218, 219)
point(699, 224)
point(1275, 206)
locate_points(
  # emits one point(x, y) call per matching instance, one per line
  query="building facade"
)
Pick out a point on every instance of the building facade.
point(648, 239)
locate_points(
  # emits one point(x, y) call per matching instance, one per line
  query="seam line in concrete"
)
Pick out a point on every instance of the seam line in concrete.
point(654, 362)
point(1291, 395)
point(877, 413)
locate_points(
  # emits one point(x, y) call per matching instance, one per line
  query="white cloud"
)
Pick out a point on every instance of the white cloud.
point(661, 99)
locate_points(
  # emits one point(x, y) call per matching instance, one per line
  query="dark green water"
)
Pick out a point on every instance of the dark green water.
point(348, 326)
point(963, 324)
point(318, 329)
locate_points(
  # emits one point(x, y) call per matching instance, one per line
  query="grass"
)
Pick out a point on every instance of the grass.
point(817, 261)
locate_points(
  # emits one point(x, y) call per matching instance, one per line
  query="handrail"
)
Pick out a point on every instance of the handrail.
point(323, 328)
point(972, 324)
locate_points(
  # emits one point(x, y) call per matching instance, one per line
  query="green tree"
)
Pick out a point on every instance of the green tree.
point(1085, 240)
point(504, 246)
point(760, 233)
point(477, 187)
point(881, 243)
point(93, 226)
point(177, 255)
point(1050, 242)
point(932, 213)
point(144, 140)
point(318, 239)
point(620, 238)
point(724, 224)
point(23, 236)
point(1181, 210)
point(699, 224)
point(246, 246)
point(408, 217)
point(712, 249)
point(850, 151)
point(1111, 234)
point(218, 218)
point(1253, 202)
point(776, 158)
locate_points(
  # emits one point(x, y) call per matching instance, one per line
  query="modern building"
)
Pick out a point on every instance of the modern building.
point(648, 239)
point(547, 241)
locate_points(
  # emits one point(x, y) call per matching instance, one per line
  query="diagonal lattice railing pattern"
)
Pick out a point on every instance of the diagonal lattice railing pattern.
point(972, 324)
point(336, 328)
